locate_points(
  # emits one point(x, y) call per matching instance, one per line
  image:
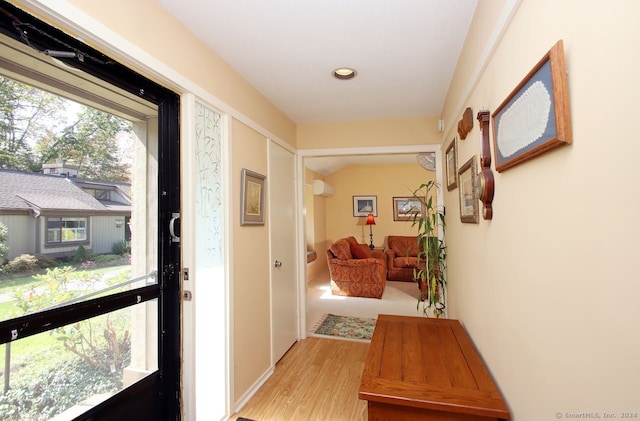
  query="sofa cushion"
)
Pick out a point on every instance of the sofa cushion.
point(403, 246)
point(341, 249)
point(360, 251)
point(405, 262)
point(351, 239)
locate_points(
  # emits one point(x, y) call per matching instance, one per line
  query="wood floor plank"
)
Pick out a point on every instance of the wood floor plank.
point(318, 379)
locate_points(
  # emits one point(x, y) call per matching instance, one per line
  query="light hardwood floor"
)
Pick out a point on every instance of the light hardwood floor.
point(317, 379)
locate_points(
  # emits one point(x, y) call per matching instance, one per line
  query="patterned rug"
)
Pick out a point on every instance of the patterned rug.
point(347, 327)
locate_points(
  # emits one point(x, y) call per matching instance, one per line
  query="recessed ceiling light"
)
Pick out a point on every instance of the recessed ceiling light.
point(344, 73)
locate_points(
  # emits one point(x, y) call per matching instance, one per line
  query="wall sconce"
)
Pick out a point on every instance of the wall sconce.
point(119, 223)
point(370, 221)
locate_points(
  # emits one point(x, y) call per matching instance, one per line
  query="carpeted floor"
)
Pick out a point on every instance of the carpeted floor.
point(398, 298)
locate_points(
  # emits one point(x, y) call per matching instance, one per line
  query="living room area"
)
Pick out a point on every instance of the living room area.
point(332, 215)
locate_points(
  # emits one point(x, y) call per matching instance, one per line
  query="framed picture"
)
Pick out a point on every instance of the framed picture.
point(252, 198)
point(467, 191)
point(534, 118)
point(364, 205)
point(404, 208)
point(452, 165)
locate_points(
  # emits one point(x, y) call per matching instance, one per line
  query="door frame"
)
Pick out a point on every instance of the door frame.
point(377, 150)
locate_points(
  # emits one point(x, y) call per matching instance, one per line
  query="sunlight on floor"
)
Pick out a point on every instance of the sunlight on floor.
point(327, 295)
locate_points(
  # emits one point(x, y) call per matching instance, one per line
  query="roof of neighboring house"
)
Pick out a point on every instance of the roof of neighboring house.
point(39, 192)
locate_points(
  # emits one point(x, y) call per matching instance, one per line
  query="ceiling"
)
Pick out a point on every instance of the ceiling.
point(405, 52)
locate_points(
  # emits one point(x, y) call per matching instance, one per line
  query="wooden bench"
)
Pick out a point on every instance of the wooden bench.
point(420, 368)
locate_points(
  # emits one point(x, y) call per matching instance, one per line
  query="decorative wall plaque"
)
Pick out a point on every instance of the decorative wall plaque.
point(534, 118)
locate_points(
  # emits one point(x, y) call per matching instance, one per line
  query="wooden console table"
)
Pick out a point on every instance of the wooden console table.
point(420, 368)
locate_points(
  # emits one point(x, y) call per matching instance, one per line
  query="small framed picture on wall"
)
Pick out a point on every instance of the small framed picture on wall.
point(452, 165)
point(406, 208)
point(364, 205)
point(466, 187)
point(253, 193)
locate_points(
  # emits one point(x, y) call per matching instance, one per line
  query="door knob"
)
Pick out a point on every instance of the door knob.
point(277, 264)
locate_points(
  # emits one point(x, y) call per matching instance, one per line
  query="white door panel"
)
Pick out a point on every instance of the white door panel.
point(284, 285)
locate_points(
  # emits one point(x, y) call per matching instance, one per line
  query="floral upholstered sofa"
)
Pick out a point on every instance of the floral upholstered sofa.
point(355, 269)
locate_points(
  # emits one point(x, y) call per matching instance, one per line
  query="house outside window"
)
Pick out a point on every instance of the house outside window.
point(66, 229)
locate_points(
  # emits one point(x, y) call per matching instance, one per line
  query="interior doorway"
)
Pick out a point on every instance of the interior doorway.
point(331, 159)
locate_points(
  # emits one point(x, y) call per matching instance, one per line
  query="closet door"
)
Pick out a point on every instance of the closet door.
point(282, 223)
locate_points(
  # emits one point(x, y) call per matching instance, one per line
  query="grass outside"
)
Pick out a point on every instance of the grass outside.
point(41, 346)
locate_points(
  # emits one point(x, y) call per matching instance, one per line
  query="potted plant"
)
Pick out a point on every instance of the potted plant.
point(430, 271)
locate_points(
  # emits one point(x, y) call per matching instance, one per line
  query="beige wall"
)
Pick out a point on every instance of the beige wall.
point(149, 26)
point(316, 227)
point(251, 306)
point(548, 289)
point(383, 181)
point(392, 132)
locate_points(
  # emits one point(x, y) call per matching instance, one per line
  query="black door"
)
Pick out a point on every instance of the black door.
point(124, 329)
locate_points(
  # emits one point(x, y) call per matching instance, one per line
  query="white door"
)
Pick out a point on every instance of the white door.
point(284, 283)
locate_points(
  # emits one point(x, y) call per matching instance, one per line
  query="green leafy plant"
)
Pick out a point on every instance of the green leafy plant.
point(121, 247)
point(81, 255)
point(430, 271)
point(4, 248)
point(109, 352)
point(89, 361)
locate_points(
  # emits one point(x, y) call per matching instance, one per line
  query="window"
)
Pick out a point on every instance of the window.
point(102, 195)
point(63, 230)
point(99, 194)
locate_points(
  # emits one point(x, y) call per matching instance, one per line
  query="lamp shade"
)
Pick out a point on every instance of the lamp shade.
point(370, 220)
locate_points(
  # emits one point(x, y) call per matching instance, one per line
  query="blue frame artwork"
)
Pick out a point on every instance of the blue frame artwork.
point(364, 205)
point(535, 116)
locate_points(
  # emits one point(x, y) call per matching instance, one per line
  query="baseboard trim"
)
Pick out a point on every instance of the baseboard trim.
point(240, 403)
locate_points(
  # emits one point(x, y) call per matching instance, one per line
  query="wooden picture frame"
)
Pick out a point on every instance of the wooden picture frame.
point(406, 207)
point(535, 117)
point(253, 194)
point(364, 205)
point(467, 191)
point(451, 164)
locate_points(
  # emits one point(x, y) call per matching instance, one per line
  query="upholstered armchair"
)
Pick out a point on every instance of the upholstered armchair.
point(356, 270)
point(402, 257)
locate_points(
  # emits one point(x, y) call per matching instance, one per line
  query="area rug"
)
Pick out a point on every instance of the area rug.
point(347, 327)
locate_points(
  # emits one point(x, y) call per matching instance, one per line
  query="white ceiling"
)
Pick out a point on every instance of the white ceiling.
point(405, 52)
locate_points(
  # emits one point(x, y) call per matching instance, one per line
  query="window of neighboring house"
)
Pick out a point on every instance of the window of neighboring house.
point(99, 194)
point(103, 195)
point(65, 229)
